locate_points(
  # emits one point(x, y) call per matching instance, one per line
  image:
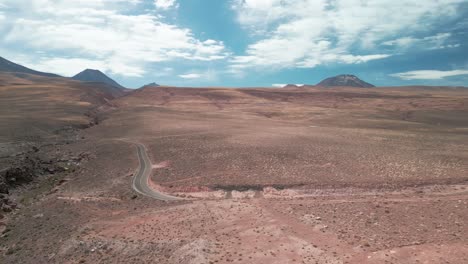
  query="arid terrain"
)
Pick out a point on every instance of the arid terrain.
point(263, 175)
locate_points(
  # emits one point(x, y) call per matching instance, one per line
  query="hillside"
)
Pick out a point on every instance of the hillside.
point(34, 106)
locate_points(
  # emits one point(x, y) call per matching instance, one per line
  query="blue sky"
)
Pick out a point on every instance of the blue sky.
point(241, 42)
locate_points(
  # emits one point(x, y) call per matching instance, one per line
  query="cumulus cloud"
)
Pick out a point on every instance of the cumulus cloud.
point(165, 4)
point(428, 74)
point(103, 30)
point(302, 33)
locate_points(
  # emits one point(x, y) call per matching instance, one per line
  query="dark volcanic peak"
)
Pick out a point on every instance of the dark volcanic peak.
point(8, 66)
point(153, 84)
point(90, 75)
point(347, 80)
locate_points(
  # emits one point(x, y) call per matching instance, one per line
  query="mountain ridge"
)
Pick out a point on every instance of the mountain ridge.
point(9, 66)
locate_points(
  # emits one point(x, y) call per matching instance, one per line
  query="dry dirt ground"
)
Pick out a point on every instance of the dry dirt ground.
point(296, 175)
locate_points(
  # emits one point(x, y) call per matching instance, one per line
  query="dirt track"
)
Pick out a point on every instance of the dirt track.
point(142, 177)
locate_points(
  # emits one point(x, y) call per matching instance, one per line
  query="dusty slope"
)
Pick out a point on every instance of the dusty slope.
point(291, 137)
point(39, 116)
point(36, 106)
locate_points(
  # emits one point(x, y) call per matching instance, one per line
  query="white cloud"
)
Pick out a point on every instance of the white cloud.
point(2, 21)
point(166, 71)
point(205, 76)
point(339, 58)
point(66, 66)
point(353, 59)
point(428, 74)
point(438, 41)
point(303, 33)
point(401, 42)
point(279, 85)
point(103, 30)
point(165, 4)
point(190, 76)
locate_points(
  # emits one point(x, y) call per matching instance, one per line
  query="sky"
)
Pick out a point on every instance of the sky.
point(241, 43)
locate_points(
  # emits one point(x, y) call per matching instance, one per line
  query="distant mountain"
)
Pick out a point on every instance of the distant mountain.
point(90, 75)
point(153, 84)
point(290, 85)
point(347, 80)
point(8, 66)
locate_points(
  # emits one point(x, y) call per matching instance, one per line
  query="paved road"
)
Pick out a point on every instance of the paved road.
point(140, 181)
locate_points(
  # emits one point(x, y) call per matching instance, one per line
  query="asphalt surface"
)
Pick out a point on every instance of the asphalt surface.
point(140, 181)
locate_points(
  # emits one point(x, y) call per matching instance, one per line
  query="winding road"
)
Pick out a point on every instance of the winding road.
point(142, 177)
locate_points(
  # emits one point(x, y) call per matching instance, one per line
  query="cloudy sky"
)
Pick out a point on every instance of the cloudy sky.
point(241, 42)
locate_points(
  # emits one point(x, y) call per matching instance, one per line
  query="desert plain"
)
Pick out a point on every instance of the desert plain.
point(261, 175)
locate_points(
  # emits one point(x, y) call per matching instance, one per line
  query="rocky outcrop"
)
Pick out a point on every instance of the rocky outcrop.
point(29, 168)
